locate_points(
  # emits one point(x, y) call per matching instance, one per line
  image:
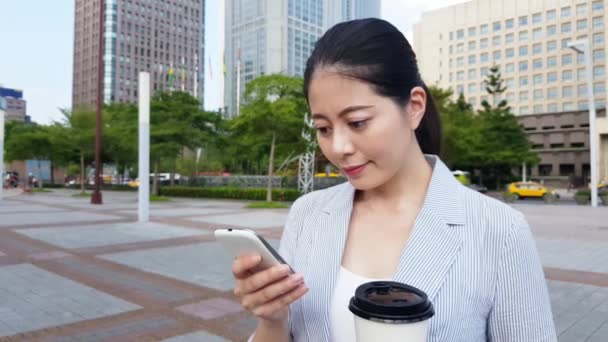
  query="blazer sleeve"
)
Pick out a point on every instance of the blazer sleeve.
point(289, 240)
point(522, 309)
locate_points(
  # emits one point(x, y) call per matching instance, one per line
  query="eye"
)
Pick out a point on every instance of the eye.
point(358, 124)
point(323, 130)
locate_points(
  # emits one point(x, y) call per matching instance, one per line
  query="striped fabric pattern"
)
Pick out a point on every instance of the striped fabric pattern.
point(474, 256)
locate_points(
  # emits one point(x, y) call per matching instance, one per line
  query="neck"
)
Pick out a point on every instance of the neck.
point(406, 189)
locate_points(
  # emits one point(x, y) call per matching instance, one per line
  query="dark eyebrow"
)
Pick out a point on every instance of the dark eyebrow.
point(342, 112)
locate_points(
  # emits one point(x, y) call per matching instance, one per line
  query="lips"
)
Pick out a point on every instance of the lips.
point(355, 170)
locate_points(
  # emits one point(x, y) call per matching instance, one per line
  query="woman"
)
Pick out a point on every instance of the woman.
point(400, 216)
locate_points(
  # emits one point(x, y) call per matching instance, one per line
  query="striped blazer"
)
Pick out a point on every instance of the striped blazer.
point(474, 256)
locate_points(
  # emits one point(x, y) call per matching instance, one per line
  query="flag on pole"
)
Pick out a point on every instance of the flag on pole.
point(171, 76)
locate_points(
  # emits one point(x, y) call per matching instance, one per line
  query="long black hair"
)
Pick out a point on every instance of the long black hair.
point(376, 52)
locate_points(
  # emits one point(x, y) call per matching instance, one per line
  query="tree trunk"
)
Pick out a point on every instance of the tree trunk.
point(52, 173)
point(82, 173)
point(270, 167)
point(155, 179)
point(172, 174)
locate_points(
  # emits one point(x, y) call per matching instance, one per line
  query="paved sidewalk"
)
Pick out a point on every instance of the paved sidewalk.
point(71, 271)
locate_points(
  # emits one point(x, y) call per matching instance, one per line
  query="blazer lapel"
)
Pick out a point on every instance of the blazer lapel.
point(328, 238)
point(437, 235)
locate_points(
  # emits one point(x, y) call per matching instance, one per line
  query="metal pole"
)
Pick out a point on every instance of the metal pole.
point(144, 148)
point(96, 198)
point(2, 148)
point(524, 172)
point(593, 141)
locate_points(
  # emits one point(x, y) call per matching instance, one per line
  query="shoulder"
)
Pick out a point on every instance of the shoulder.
point(317, 200)
point(491, 217)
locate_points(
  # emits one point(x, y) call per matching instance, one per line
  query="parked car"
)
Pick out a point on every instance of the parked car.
point(529, 190)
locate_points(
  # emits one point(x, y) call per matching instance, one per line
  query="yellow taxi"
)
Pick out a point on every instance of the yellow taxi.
point(528, 189)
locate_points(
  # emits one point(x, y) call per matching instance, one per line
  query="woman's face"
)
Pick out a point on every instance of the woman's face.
point(367, 136)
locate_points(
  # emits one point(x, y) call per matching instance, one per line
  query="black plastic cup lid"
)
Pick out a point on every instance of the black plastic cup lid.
point(391, 302)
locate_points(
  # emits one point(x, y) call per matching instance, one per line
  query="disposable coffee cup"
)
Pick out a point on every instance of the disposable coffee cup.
point(389, 311)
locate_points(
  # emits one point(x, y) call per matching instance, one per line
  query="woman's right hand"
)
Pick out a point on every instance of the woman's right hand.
point(266, 293)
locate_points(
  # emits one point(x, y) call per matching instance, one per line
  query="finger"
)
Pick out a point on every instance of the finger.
point(281, 302)
point(242, 264)
point(273, 291)
point(264, 278)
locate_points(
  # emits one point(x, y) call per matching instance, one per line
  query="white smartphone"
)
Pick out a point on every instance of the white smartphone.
point(246, 241)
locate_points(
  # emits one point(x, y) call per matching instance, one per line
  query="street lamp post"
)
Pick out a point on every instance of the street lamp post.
point(2, 107)
point(96, 197)
point(582, 47)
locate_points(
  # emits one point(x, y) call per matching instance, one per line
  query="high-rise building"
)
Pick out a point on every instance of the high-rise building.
point(456, 46)
point(278, 36)
point(163, 37)
point(15, 104)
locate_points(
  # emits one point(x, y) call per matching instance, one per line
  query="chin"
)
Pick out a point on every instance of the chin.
point(365, 183)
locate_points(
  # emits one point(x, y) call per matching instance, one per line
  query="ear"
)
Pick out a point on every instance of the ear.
point(416, 107)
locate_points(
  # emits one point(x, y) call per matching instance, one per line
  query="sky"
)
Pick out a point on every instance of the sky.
point(37, 44)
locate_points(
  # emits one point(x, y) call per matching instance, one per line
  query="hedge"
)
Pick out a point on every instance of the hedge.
point(255, 194)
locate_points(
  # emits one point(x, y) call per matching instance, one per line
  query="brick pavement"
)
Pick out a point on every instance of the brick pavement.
point(70, 271)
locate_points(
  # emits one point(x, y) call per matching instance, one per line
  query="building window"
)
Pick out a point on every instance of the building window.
point(551, 46)
point(565, 42)
point(510, 83)
point(523, 65)
point(552, 93)
point(472, 74)
point(523, 36)
point(551, 15)
point(460, 76)
point(496, 26)
point(538, 94)
point(566, 12)
point(581, 24)
point(509, 24)
point(472, 45)
point(598, 22)
point(460, 47)
point(523, 20)
point(537, 48)
point(483, 43)
point(538, 109)
point(471, 59)
point(472, 32)
point(496, 40)
point(524, 110)
point(483, 57)
point(523, 50)
point(509, 68)
point(581, 90)
point(551, 30)
point(537, 33)
point(496, 55)
point(536, 18)
point(598, 38)
point(567, 59)
point(565, 169)
point(537, 64)
point(483, 72)
point(580, 58)
point(599, 55)
point(567, 75)
point(552, 107)
point(460, 34)
point(510, 38)
point(552, 77)
point(510, 53)
point(551, 62)
point(599, 71)
point(483, 29)
point(523, 96)
point(599, 88)
point(523, 81)
point(583, 105)
point(598, 5)
point(567, 91)
point(472, 88)
point(580, 74)
point(581, 9)
point(545, 169)
point(566, 27)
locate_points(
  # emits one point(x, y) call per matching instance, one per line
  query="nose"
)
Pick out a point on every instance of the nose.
point(342, 143)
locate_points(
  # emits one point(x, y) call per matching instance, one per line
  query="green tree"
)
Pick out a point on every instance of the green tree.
point(272, 118)
point(79, 131)
point(505, 143)
point(176, 123)
point(120, 135)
